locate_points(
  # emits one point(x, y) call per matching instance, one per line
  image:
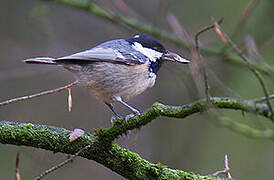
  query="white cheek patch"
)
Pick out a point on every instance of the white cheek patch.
point(150, 53)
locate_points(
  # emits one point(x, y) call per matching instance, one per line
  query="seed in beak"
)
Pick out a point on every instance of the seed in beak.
point(171, 56)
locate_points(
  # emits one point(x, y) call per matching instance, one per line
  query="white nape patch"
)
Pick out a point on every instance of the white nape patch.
point(136, 36)
point(150, 53)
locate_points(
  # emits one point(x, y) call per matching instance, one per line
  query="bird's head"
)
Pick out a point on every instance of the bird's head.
point(154, 49)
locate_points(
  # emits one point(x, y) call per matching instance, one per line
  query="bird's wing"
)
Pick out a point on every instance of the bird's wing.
point(111, 51)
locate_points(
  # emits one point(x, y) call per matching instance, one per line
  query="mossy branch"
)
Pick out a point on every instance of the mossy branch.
point(158, 109)
point(122, 161)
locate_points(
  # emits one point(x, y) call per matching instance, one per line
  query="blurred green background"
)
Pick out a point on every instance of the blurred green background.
point(39, 28)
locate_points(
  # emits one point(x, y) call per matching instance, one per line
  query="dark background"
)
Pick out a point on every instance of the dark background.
point(195, 144)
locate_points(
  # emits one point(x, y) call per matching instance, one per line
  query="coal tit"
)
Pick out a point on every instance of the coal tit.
point(117, 70)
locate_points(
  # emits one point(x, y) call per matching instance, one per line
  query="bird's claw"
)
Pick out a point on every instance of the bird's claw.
point(136, 113)
point(115, 117)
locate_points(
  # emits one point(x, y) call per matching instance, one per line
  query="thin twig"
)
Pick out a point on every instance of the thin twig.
point(249, 9)
point(228, 175)
point(17, 174)
point(194, 67)
point(183, 34)
point(262, 99)
point(69, 99)
point(224, 171)
point(178, 29)
point(228, 41)
point(254, 55)
point(39, 94)
point(204, 30)
point(123, 8)
point(58, 166)
point(203, 68)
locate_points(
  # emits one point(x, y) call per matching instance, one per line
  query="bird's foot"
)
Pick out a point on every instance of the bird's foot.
point(136, 113)
point(115, 117)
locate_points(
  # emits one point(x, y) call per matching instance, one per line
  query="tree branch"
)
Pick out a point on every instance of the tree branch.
point(158, 109)
point(135, 25)
point(261, 99)
point(226, 39)
point(124, 162)
point(198, 57)
point(103, 151)
point(51, 91)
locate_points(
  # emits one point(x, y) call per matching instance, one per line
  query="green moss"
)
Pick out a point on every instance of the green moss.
point(99, 132)
point(159, 165)
point(118, 120)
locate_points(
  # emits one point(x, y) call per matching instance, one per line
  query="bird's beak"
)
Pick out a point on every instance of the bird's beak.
point(170, 56)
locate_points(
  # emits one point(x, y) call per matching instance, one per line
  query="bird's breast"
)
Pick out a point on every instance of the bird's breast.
point(106, 80)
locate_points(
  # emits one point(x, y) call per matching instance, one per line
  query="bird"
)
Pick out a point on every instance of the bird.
point(117, 70)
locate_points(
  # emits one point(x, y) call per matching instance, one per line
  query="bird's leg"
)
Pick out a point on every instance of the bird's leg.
point(135, 111)
point(116, 115)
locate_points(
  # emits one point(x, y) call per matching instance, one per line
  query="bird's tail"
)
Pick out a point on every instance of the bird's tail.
point(40, 60)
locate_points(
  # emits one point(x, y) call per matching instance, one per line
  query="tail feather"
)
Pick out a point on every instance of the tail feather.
point(40, 60)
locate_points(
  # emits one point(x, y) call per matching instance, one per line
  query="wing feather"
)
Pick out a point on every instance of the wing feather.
point(110, 51)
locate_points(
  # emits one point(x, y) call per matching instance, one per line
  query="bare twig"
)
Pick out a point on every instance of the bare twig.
point(122, 6)
point(261, 99)
point(194, 66)
point(254, 55)
point(202, 66)
point(179, 30)
point(204, 30)
point(228, 175)
point(58, 166)
point(183, 34)
point(224, 171)
point(39, 94)
point(228, 41)
point(175, 25)
point(247, 12)
point(17, 174)
point(249, 9)
point(69, 99)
